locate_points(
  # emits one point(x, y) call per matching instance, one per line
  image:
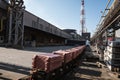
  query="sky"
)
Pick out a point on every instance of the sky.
point(65, 14)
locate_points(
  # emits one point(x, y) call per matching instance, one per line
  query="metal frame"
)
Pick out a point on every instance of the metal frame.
point(16, 27)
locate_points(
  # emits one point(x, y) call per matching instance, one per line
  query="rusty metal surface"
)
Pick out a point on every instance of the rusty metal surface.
point(70, 54)
point(47, 62)
point(67, 56)
point(74, 52)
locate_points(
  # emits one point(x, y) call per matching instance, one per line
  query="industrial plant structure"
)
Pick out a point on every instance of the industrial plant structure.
point(19, 27)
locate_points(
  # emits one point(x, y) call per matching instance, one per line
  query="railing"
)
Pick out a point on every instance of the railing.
point(109, 19)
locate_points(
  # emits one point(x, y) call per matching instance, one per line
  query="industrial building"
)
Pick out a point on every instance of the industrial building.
point(19, 28)
point(40, 31)
point(75, 39)
point(106, 39)
point(35, 31)
point(74, 34)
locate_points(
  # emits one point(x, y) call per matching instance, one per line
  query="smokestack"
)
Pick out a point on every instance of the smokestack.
point(82, 16)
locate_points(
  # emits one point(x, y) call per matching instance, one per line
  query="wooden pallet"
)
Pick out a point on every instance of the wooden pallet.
point(26, 78)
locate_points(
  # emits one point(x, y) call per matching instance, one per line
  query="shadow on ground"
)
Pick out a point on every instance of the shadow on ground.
point(87, 70)
point(2, 78)
point(14, 68)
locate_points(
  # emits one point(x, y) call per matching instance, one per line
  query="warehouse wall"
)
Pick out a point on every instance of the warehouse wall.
point(35, 37)
point(38, 23)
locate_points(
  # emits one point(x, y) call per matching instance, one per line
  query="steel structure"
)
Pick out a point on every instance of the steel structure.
point(82, 16)
point(110, 20)
point(108, 25)
point(16, 27)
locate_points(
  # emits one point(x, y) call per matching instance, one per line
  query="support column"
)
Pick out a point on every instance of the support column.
point(16, 27)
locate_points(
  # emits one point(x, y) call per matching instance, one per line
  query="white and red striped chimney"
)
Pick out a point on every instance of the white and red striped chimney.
point(82, 16)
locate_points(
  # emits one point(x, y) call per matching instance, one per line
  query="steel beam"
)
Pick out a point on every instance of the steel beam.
point(16, 27)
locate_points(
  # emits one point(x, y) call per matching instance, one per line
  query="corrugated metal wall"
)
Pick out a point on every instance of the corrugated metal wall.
point(33, 21)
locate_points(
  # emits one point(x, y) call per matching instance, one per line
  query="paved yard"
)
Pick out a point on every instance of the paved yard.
point(16, 63)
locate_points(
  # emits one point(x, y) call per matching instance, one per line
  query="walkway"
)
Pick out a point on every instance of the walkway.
point(88, 69)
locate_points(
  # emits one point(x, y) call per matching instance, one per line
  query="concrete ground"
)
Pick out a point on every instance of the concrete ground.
point(15, 63)
point(48, 49)
point(88, 69)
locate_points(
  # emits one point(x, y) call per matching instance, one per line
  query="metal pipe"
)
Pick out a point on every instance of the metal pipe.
point(10, 27)
point(109, 25)
point(100, 22)
point(1, 26)
point(105, 10)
